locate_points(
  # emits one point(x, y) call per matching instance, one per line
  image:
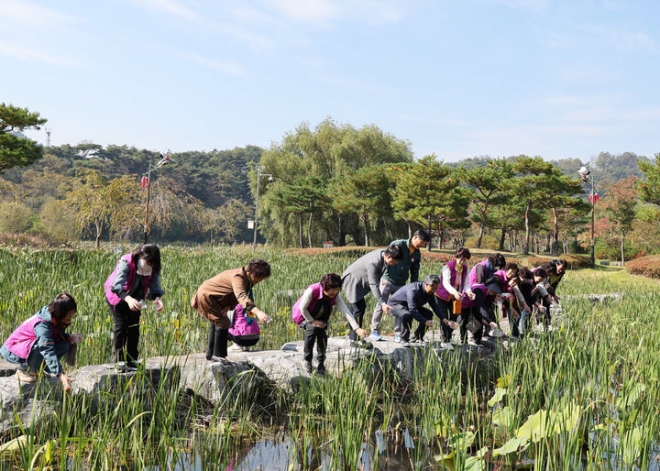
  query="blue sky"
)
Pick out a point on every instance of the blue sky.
point(459, 78)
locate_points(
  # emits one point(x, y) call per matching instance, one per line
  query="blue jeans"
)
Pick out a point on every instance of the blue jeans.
point(35, 359)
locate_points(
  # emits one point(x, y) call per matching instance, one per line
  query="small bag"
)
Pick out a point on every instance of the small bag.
point(473, 325)
point(457, 306)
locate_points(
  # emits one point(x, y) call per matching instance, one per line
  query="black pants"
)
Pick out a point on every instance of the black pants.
point(405, 318)
point(448, 308)
point(217, 345)
point(481, 312)
point(126, 334)
point(357, 309)
point(315, 335)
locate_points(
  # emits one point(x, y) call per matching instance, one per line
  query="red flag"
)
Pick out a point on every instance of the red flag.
point(144, 182)
point(594, 198)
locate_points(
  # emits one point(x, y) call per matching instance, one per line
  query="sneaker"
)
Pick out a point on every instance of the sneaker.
point(496, 333)
point(446, 346)
point(375, 336)
point(404, 343)
point(235, 348)
point(25, 377)
point(120, 367)
point(417, 341)
point(320, 369)
point(245, 349)
point(307, 366)
point(221, 360)
point(132, 366)
point(454, 342)
point(397, 338)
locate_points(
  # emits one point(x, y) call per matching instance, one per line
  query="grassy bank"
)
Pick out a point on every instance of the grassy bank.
point(584, 397)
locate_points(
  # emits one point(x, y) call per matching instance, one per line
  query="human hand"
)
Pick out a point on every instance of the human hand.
point(452, 324)
point(493, 325)
point(262, 316)
point(429, 323)
point(158, 304)
point(75, 338)
point(66, 383)
point(318, 324)
point(386, 308)
point(133, 304)
point(361, 332)
point(471, 295)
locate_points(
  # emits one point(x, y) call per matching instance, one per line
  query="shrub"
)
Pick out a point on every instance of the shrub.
point(645, 266)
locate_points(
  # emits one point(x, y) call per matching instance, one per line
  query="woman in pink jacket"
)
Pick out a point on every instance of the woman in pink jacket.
point(41, 341)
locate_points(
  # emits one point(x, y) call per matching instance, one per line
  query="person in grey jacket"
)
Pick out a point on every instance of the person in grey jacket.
point(363, 276)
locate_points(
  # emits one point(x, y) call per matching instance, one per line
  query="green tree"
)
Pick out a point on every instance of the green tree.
point(426, 193)
point(365, 193)
point(649, 189)
point(102, 204)
point(15, 217)
point(17, 150)
point(620, 208)
point(488, 185)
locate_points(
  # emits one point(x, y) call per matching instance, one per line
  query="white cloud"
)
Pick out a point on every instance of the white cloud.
point(312, 11)
point(172, 7)
point(324, 12)
point(227, 68)
point(29, 54)
point(34, 17)
point(525, 4)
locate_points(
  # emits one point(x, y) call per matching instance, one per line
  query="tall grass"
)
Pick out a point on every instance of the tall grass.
point(582, 397)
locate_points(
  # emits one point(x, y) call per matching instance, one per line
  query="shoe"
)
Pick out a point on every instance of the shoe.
point(307, 366)
point(125, 367)
point(245, 349)
point(361, 344)
point(447, 346)
point(417, 341)
point(221, 360)
point(404, 343)
point(25, 377)
point(397, 338)
point(235, 348)
point(375, 336)
point(320, 369)
point(454, 342)
point(496, 333)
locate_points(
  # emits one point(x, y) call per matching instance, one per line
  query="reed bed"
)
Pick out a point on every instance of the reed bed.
point(582, 397)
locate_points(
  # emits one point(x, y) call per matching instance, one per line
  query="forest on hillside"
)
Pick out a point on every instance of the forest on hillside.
point(333, 182)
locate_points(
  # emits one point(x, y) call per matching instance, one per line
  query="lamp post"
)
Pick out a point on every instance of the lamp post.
point(256, 201)
point(586, 175)
point(146, 184)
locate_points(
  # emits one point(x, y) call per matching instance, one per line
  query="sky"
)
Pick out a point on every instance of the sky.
point(455, 78)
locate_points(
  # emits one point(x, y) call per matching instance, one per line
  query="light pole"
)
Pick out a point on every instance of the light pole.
point(146, 184)
point(256, 201)
point(586, 175)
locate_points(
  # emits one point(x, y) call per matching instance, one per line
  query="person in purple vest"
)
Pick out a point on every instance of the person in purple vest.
point(454, 287)
point(41, 341)
point(315, 306)
point(479, 308)
point(135, 279)
point(486, 268)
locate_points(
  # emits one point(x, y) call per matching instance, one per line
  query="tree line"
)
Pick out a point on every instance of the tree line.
point(333, 182)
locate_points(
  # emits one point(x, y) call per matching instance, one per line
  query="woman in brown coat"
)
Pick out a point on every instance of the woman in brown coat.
point(222, 293)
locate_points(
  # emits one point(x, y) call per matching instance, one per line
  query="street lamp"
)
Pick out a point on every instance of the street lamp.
point(586, 175)
point(165, 159)
point(256, 201)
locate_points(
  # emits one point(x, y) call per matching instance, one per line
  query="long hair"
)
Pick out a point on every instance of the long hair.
point(150, 253)
point(62, 305)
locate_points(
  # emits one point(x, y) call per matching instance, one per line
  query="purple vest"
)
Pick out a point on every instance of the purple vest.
point(240, 326)
point(112, 297)
point(21, 340)
point(317, 293)
point(467, 302)
point(441, 292)
point(473, 273)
